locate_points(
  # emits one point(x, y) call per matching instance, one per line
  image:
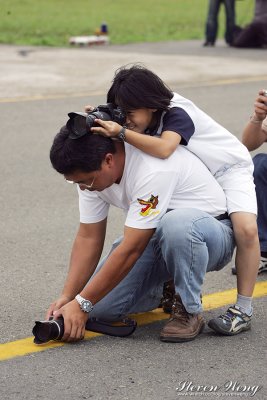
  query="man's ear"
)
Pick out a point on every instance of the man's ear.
point(109, 159)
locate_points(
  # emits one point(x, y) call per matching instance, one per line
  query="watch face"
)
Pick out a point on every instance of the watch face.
point(86, 306)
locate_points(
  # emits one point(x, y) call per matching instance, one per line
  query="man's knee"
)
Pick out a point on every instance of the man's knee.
point(103, 311)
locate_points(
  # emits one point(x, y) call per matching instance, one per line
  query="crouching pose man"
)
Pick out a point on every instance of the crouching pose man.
point(176, 227)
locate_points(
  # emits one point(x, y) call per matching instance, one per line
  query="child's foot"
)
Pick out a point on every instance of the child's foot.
point(262, 266)
point(231, 323)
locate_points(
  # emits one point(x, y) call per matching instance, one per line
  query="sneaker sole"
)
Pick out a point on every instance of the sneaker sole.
point(218, 329)
point(178, 339)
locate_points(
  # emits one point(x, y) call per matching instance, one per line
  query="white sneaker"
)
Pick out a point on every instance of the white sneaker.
point(263, 265)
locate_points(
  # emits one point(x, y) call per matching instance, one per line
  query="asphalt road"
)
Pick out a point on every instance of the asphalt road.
point(39, 218)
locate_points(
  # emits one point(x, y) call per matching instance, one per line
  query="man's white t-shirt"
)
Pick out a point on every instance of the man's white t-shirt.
point(150, 186)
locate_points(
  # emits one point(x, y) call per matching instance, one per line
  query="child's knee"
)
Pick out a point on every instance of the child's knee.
point(246, 234)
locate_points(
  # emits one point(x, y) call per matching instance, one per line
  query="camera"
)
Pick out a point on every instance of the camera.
point(53, 329)
point(80, 124)
point(43, 331)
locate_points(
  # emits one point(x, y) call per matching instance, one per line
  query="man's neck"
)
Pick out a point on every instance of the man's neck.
point(119, 158)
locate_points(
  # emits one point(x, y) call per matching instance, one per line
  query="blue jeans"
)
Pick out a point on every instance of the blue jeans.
point(212, 20)
point(187, 244)
point(260, 179)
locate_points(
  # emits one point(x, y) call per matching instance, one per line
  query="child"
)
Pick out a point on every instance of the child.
point(157, 121)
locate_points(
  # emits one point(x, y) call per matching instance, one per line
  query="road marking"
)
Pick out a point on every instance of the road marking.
point(26, 346)
point(218, 82)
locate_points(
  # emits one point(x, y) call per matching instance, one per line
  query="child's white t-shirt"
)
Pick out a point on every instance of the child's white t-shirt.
point(211, 142)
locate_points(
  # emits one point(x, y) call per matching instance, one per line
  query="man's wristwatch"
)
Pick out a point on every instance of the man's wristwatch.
point(121, 136)
point(86, 305)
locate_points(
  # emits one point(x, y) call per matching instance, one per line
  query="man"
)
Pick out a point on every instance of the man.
point(254, 135)
point(176, 228)
point(212, 21)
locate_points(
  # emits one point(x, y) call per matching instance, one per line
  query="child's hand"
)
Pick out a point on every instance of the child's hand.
point(88, 108)
point(106, 128)
point(261, 106)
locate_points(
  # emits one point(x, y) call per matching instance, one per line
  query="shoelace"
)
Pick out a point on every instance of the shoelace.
point(229, 316)
point(178, 311)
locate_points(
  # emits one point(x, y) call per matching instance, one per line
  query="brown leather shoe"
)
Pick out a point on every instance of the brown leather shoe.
point(182, 326)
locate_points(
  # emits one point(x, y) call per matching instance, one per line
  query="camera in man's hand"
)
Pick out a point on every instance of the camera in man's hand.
point(80, 124)
point(44, 331)
point(53, 329)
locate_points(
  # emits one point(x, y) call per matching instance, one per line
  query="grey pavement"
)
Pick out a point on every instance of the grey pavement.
point(31, 71)
point(39, 218)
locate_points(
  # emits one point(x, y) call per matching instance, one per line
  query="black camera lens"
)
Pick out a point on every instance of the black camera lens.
point(91, 117)
point(77, 125)
point(44, 331)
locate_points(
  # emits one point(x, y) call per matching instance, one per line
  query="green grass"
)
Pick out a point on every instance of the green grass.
point(52, 22)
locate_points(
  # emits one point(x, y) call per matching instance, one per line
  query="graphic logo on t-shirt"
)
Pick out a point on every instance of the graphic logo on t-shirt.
point(150, 206)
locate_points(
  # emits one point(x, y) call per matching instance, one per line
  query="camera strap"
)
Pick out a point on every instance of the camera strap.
point(122, 328)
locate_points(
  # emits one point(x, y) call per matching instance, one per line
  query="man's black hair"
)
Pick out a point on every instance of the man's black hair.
point(137, 87)
point(84, 154)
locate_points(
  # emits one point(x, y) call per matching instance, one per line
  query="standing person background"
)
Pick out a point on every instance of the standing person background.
point(254, 135)
point(212, 21)
point(253, 35)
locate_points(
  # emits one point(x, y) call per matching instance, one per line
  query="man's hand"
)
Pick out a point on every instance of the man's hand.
point(261, 106)
point(56, 305)
point(74, 321)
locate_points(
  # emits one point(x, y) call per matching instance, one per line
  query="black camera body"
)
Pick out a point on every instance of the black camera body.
point(80, 124)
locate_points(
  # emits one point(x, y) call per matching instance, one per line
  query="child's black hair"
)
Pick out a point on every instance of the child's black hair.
point(137, 87)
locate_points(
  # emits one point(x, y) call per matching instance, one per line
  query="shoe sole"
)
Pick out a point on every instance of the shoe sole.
point(218, 329)
point(178, 339)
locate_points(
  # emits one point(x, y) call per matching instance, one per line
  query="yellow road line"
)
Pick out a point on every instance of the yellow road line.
point(218, 82)
point(215, 300)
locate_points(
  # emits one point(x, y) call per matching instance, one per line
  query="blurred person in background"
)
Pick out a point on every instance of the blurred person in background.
point(212, 21)
point(253, 35)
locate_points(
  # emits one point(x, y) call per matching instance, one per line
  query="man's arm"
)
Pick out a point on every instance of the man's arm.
point(118, 264)
point(116, 267)
point(254, 135)
point(85, 255)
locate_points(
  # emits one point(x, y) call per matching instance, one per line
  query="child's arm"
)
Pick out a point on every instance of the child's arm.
point(161, 147)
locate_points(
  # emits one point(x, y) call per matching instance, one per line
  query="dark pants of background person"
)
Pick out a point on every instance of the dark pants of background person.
point(212, 20)
point(260, 179)
point(252, 36)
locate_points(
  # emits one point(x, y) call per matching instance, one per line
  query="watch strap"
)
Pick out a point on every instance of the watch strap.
point(121, 136)
point(82, 300)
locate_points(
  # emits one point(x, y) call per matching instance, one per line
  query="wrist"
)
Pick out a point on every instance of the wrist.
point(121, 135)
point(254, 119)
point(66, 297)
